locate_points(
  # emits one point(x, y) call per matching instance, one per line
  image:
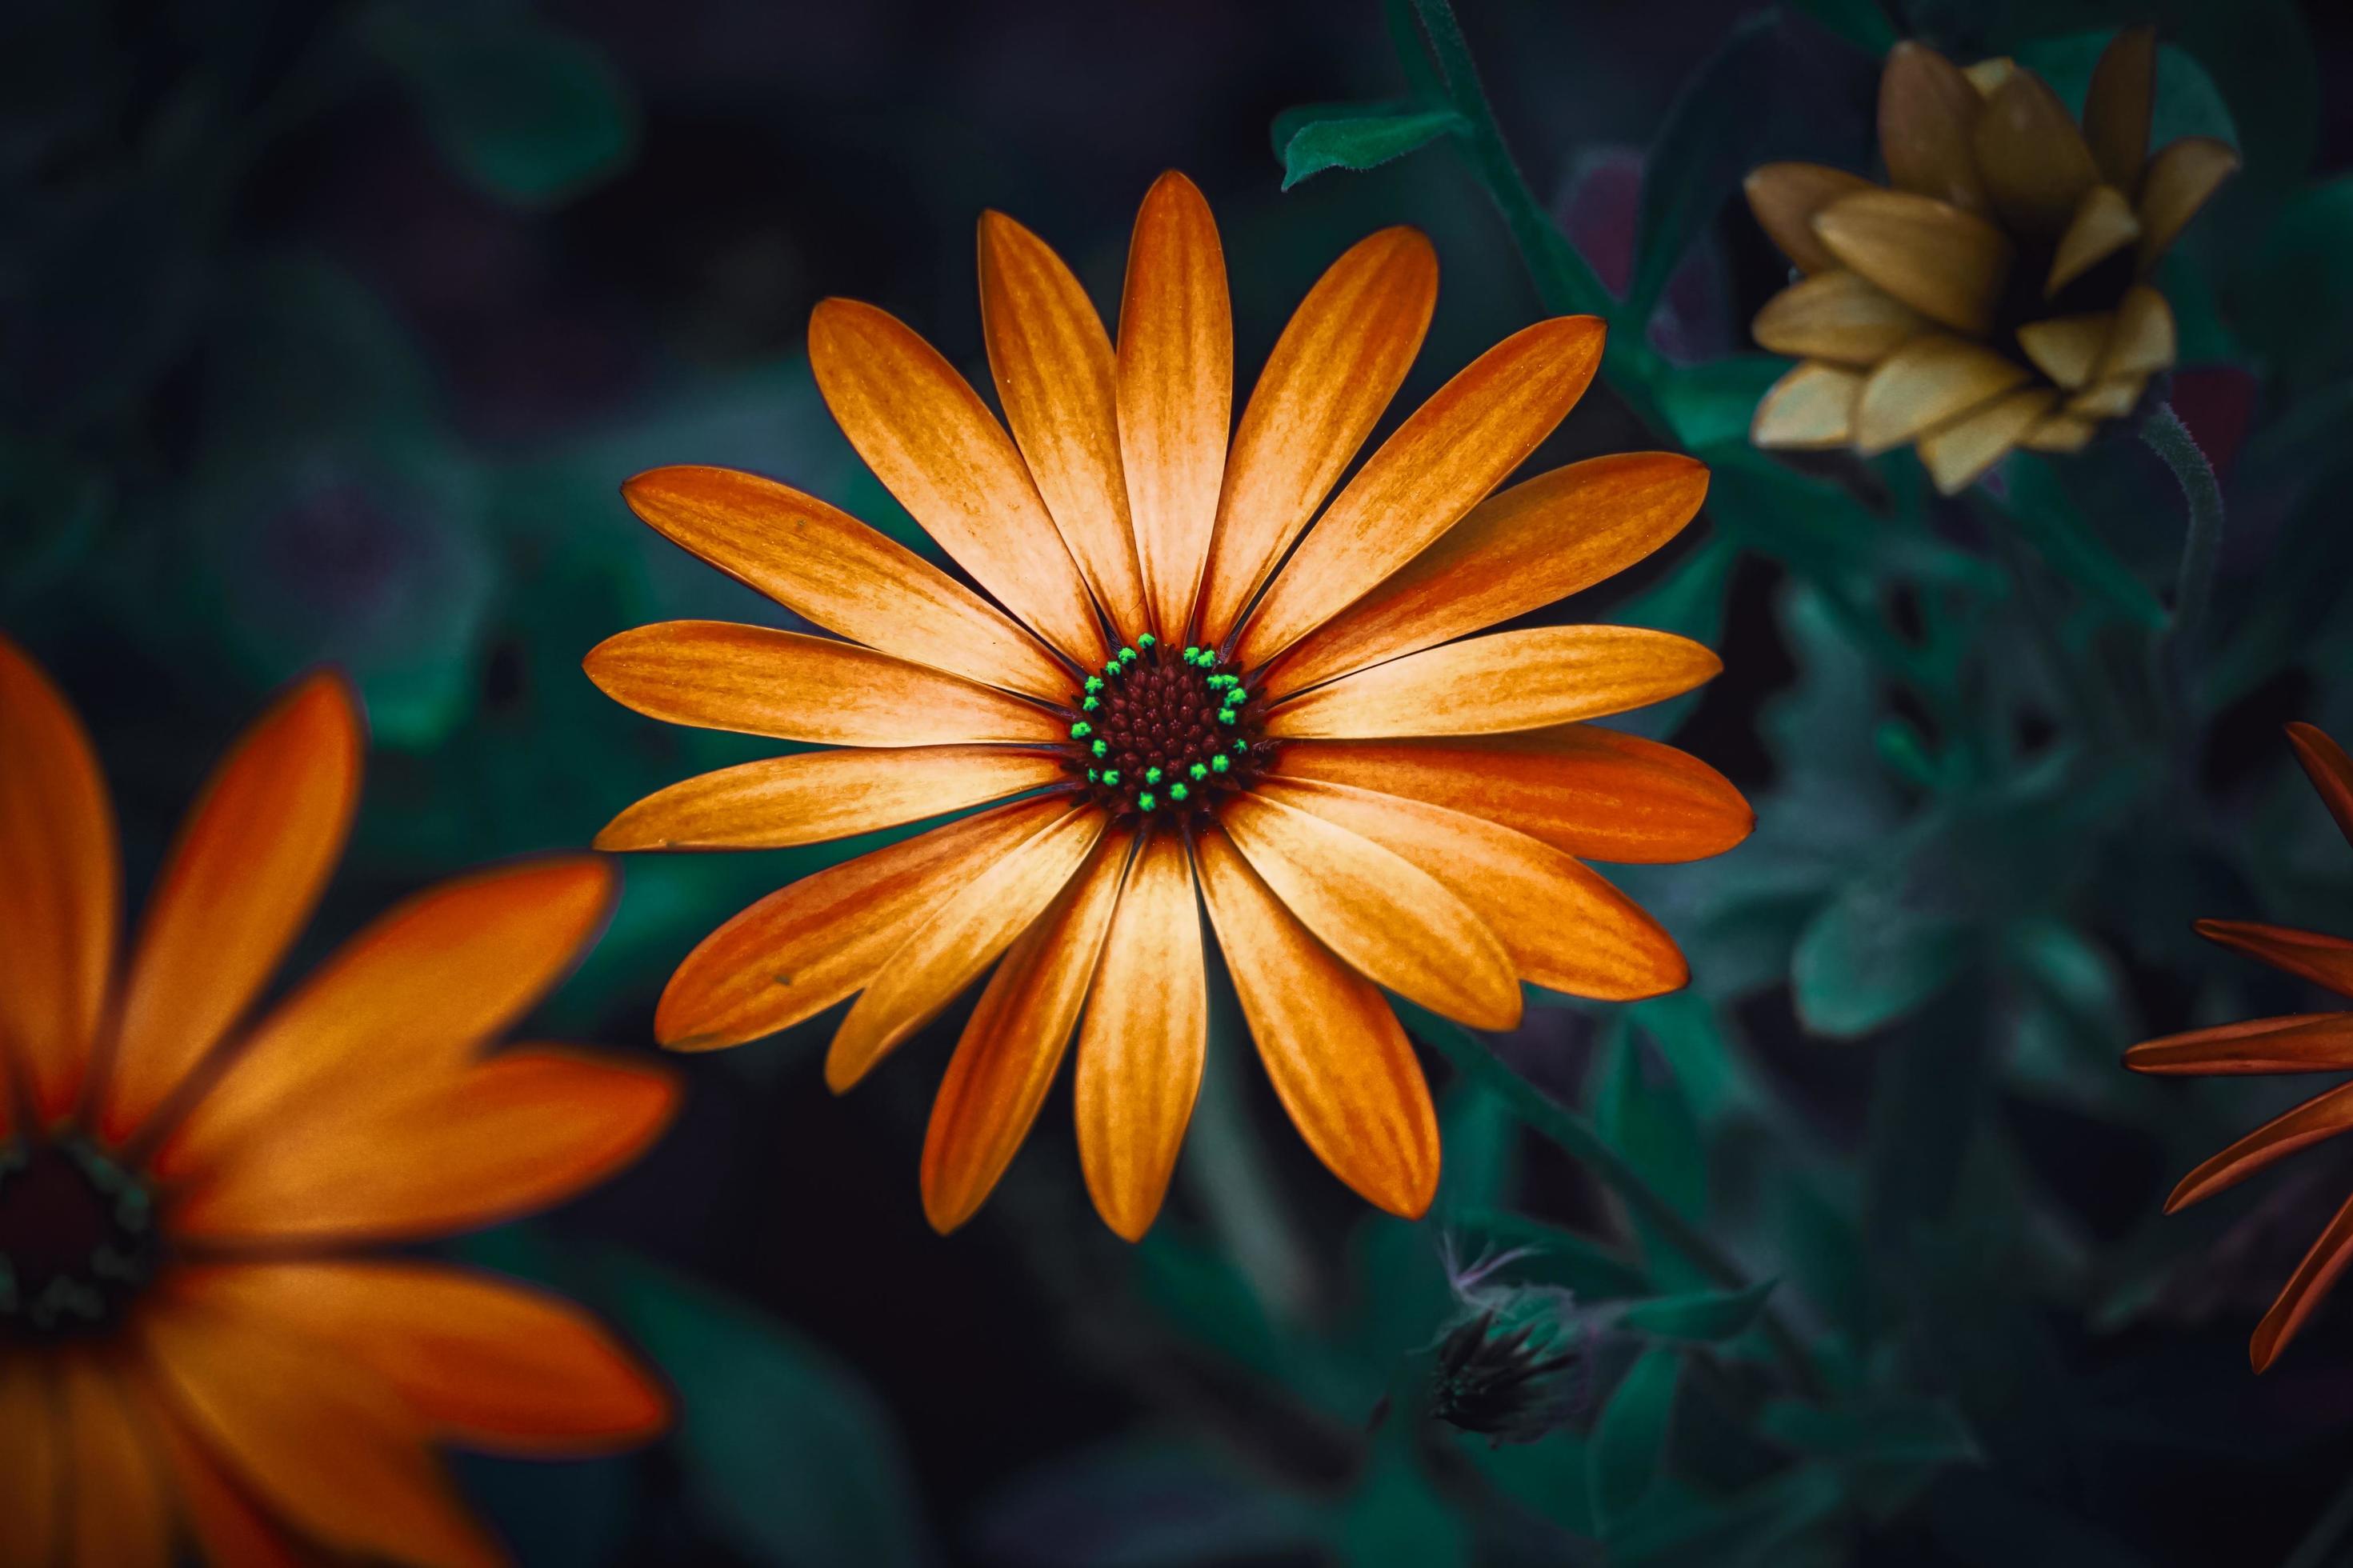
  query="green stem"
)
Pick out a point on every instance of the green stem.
point(2201, 543)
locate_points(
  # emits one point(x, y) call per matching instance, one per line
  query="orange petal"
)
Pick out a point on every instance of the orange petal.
point(1143, 1040)
point(812, 796)
point(119, 1511)
point(1053, 366)
point(1927, 127)
point(2328, 768)
point(1810, 409)
point(1507, 680)
point(33, 1480)
point(2116, 110)
point(1340, 1063)
point(947, 952)
point(2323, 1116)
point(60, 885)
point(228, 1525)
point(1440, 464)
point(407, 1001)
point(2178, 182)
point(1945, 263)
point(803, 948)
point(1395, 923)
point(2305, 1289)
point(2035, 162)
point(526, 1129)
point(1537, 543)
point(1565, 928)
point(488, 1363)
point(255, 854)
point(825, 565)
point(320, 1439)
point(1176, 392)
point(2306, 1042)
point(1333, 372)
point(1006, 1060)
point(1597, 793)
point(1785, 196)
point(716, 674)
point(934, 444)
point(2323, 960)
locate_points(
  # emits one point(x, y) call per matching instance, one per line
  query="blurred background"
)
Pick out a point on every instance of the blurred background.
point(328, 332)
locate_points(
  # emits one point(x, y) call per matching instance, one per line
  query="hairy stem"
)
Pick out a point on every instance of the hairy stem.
point(2201, 542)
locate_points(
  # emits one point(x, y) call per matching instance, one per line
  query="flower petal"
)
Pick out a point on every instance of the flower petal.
point(2035, 162)
point(2305, 1289)
point(1339, 1061)
point(805, 947)
point(32, 1482)
point(1926, 383)
point(1838, 317)
point(252, 859)
point(1006, 1060)
point(2324, 960)
point(1927, 127)
point(61, 888)
point(2111, 397)
point(1508, 680)
point(2116, 109)
point(934, 444)
point(1537, 543)
point(526, 1129)
point(119, 1513)
point(1175, 393)
point(2306, 1042)
point(2062, 432)
point(2067, 349)
point(753, 681)
point(407, 1001)
point(1053, 366)
point(947, 952)
point(1594, 793)
point(812, 796)
point(825, 565)
point(2144, 342)
point(1439, 464)
point(1785, 196)
point(1392, 920)
point(1333, 372)
point(1143, 1040)
point(1947, 264)
point(2328, 768)
point(488, 1363)
point(1565, 928)
point(2178, 182)
point(227, 1523)
point(2322, 1117)
point(1811, 408)
point(2103, 225)
point(1956, 453)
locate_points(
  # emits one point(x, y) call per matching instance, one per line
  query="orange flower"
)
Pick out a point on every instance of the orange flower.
point(1360, 800)
point(2303, 1042)
point(1997, 293)
point(189, 1344)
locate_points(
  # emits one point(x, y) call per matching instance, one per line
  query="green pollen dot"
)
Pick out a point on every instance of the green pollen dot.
point(1177, 792)
point(1152, 775)
point(1128, 656)
point(1241, 748)
point(1111, 777)
point(1081, 729)
point(1113, 668)
point(1100, 749)
point(1218, 764)
point(1090, 704)
point(1094, 683)
point(1199, 773)
point(1147, 640)
point(1094, 777)
point(1228, 716)
point(1192, 655)
point(1147, 801)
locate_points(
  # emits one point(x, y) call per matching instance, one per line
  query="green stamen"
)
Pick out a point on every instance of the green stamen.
point(1152, 775)
point(1094, 684)
point(1081, 729)
point(1177, 792)
point(1220, 765)
point(1192, 655)
point(1228, 716)
point(1093, 776)
point(1100, 750)
point(1147, 801)
point(1199, 773)
point(1111, 777)
point(1241, 748)
point(1147, 640)
point(1090, 705)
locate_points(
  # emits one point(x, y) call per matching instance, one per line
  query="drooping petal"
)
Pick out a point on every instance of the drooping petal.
point(1811, 408)
point(1006, 1059)
point(2180, 181)
point(226, 1521)
point(1393, 921)
point(489, 1364)
point(1538, 542)
point(2321, 958)
point(825, 565)
point(806, 946)
point(1927, 127)
point(1956, 453)
point(1785, 196)
point(1340, 1063)
point(947, 952)
point(936, 445)
point(2110, 397)
point(2145, 340)
point(1947, 264)
point(1176, 392)
point(1565, 928)
point(1838, 317)
point(2306, 1042)
point(2062, 432)
point(1143, 1039)
point(812, 796)
point(2328, 768)
point(2036, 164)
point(253, 857)
point(1926, 383)
point(2305, 1289)
point(1053, 366)
point(2103, 224)
point(1528, 679)
point(2067, 349)
point(2117, 108)
point(1597, 793)
point(1332, 372)
point(406, 1002)
point(525, 1129)
point(60, 887)
point(119, 1511)
point(2322, 1117)
point(32, 1482)
point(1437, 465)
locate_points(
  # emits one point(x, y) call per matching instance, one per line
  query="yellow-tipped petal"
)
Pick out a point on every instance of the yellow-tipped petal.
point(1945, 263)
point(2116, 110)
point(2178, 182)
point(1924, 384)
point(1988, 75)
point(2061, 434)
point(1927, 123)
point(1813, 407)
point(2111, 398)
point(1785, 196)
point(2036, 164)
point(2067, 349)
point(1838, 317)
point(2103, 224)
point(2144, 342)
point(1958, 453)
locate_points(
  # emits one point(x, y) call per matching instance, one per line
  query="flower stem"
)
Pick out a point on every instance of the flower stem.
point(2201, 543)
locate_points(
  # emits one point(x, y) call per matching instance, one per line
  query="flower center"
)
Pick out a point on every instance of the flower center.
point(1163, 734)
point(78, 1238)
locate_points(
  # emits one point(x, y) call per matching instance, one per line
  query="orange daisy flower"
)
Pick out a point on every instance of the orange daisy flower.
point(1360, 800)
point(2303, 1042)
point(190, 1347)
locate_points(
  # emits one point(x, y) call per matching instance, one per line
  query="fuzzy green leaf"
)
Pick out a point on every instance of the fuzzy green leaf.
point(1360, 141)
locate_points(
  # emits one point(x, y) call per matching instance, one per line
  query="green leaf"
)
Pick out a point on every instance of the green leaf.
point(1895, 1430)
point(1873, 954)
point(1861, 22)
point(1641, 1110)
point(1630, 1443)
point(1361, 140)
point(2039, 509)
point(1706, 1315)
point(1712, 403)
point(2188, 103)
point(2296, 300)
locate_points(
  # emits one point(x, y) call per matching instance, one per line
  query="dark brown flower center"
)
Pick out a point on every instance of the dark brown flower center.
point(78, 1238)
point(1165, 733)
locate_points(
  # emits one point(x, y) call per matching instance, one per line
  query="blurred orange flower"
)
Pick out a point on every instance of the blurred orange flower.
point(2303, 1042)
point(1997, 293)
point(1198, 694)
point(190, 1345)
